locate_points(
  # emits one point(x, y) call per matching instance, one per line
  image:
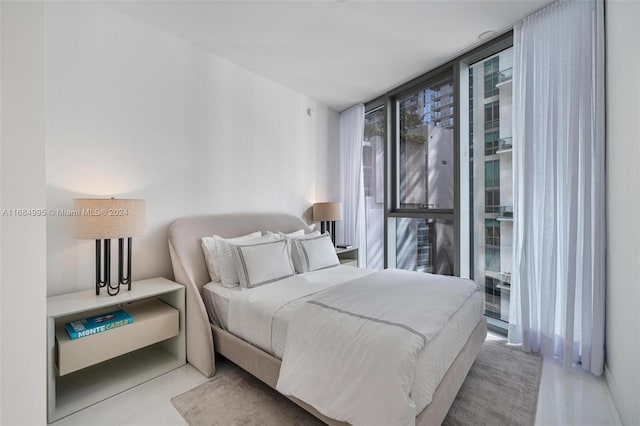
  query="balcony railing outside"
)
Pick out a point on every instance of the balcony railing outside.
point(505, 144)
point(505, 213)
point(505, 75)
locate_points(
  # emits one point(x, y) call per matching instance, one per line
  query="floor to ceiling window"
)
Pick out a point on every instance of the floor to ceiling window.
point(373, 176)
point(441, 146)
point(491, 187)
point(421, 223)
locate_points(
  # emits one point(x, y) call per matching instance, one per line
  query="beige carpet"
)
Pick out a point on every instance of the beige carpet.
point(501, 389)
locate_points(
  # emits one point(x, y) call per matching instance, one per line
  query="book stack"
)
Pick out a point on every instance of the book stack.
point(97, 324)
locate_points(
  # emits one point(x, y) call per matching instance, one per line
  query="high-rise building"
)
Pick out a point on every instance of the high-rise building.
point(492, 179)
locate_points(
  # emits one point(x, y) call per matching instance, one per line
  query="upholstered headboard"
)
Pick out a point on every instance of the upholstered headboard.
point(190, 269)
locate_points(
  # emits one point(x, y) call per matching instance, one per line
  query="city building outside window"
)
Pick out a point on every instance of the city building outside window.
point(491, 186)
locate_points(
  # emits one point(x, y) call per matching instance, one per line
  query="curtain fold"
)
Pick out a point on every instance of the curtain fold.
point(352, 229)
point(558, 285)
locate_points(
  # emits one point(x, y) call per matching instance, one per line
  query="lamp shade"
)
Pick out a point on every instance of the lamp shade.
point(101, 219)
point(327, 212)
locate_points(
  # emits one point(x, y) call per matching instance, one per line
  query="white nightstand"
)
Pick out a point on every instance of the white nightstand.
point(348, 256)
point(119, 359)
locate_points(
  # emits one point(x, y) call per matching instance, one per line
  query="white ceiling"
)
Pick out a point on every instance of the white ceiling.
point(337, 52)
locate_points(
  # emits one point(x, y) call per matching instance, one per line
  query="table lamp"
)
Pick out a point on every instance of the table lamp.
point(327, 214)
point(102, 220)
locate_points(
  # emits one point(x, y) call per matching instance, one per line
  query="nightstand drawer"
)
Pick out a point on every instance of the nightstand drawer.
point(153, 321)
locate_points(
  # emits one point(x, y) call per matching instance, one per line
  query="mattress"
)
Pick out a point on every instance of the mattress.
point(433, 361)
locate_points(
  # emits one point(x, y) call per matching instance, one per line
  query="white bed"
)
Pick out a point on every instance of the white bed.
point(433, 362)
point(442, 364)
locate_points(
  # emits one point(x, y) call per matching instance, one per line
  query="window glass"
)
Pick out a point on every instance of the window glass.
point(491, 193)
point(492, 233)
point(491, 142)
point(491, 76)
point(425, 245)
point(492, 116)
point(425, 147)
point(373, 180)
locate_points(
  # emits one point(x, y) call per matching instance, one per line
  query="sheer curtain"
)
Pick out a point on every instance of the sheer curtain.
point(558, 285)
point(351, 181)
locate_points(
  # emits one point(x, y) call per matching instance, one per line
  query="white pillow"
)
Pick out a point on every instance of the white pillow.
point(292, 247)
point(316, 253)
point(210, 250)
point(262, 263)
point(228, 272)
point(294, 234)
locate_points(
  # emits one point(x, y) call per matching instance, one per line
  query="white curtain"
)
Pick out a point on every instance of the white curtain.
point(351, 181)
point(558, 285)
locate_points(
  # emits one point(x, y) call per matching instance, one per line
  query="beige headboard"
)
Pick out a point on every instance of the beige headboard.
point(190, 270)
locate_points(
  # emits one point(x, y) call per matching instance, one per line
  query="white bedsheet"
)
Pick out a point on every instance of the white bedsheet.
point(433, 361)
point(216, 300)
point(352, 351)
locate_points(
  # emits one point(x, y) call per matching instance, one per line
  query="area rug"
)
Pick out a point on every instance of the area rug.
point(501, 389)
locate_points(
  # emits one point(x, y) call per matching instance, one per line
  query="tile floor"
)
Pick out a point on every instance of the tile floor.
point(566, 398)
point(572, 397)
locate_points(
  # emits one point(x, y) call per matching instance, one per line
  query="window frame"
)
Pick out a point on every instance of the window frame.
point(494, 320)
point(393, 210)
point(389, 101)
point(394, 97)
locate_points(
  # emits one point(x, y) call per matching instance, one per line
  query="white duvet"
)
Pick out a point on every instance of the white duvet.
point(252, 312)
point(352, 350)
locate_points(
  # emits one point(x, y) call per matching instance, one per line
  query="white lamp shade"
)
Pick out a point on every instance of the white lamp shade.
point(327, 212)
point(101, 219)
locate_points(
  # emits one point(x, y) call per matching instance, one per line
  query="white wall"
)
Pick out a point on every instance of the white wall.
point(623, 205)
point(133, 111)
point(22, 242)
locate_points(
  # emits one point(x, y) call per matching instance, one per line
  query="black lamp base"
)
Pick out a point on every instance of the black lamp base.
point(103, 267)
point(330, 227)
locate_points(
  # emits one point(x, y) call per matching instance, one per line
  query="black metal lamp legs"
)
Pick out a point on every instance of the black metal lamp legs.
point(121, 278)
point(103, 267)
point(329, 226)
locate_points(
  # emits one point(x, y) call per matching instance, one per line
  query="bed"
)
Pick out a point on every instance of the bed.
point(208, 332)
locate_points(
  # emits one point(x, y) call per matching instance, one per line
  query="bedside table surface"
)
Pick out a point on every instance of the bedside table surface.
point(344, 250)
point(71, 303)
point(348, 256)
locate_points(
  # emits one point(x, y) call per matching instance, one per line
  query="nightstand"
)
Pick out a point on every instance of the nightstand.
point(89, 369)
point(348, 257)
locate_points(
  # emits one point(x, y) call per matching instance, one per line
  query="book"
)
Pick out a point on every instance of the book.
point(97, 324)
point(344, 246)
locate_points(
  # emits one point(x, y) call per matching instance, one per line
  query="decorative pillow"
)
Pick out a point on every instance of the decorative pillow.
point(211, 256)
point(262, 263)
point(316, 253)
point(228, 272)
point(292, 247)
